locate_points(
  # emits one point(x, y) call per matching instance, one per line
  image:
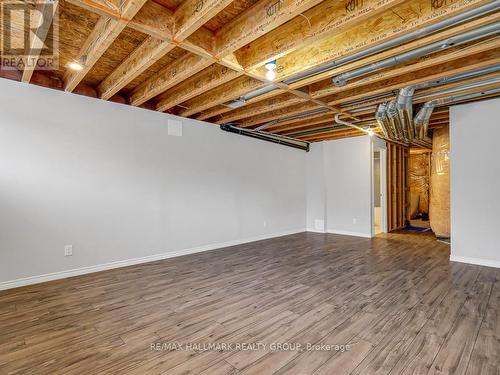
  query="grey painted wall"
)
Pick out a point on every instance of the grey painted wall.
point(339, 185)
point(109, 180)
point(475, 182)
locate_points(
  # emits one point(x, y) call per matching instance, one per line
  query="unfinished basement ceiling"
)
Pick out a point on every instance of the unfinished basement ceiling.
point(191, 58)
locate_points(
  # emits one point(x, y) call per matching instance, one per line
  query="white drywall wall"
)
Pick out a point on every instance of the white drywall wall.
point(348, 186)
point(108, 179)
point(339, 185)
point(475, 182)
point(316, 192)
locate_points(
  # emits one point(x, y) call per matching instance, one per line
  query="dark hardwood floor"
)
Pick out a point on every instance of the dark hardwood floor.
point(395, 302)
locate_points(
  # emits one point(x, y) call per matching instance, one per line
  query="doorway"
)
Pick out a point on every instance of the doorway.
point(379, 188)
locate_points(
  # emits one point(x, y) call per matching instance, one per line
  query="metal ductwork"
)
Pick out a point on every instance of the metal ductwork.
point(481, 32)
point(269, 137)
point(404, 106)
point(393, 117)
point(382, 120)
point(404, 127)
point(423, 117)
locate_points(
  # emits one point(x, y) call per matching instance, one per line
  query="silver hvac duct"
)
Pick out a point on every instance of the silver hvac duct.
point(481, 32)
point(490, 7)
point(393, 116)
point(404, 107)
point(381, 117)
point(424, 115)
point(404, 101)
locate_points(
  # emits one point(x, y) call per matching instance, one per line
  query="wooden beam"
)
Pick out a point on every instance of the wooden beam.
point(297, 121)
point(264, 106)
point(157, 21)
point(332, 134)
point(106, 8)
point(154, 20)
point(482, 60)
point(407, 17)
point(324, 20)
point(219, 110)
point(102, 36)
point(279, 113)
point(149, 52)
point(310, 127)
point(45, 12)
point(306, 124)
point(192, 14)
point(199, 83)
point(221, 94)
point(168, 77)
point(259, 19)
point(326, 87)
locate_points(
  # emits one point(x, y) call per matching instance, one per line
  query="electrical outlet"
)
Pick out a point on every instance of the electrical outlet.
point(265, 224)
point(68, 250)
point(354, 220)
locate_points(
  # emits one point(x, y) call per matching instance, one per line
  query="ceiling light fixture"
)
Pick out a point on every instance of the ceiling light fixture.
point(271, 70)
point(79, 64)
point(75, 66)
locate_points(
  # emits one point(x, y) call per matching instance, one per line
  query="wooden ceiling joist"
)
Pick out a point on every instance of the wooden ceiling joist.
point(326, 87)
point(168, 77)
point(221, 94)
point(328, 18)
point(106, 8)
point(264, 106)
point(149, 52)
point(103, 35)
point(192, 14)
point(259, 19)
point(483, 60)
point(45, 12)
point(219, 110)
point(309, 127)
point(279, 113)
point(407, 17)
point(199, 83)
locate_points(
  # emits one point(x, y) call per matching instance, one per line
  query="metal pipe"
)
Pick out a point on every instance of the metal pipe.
point(481, 32)
point(269, 137)
point(342, 122)
point(465, 86)
point(261, 91)
point(418, 86)
point(417, 34)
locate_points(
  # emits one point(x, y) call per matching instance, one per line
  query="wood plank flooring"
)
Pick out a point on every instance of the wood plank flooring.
point(395, 302)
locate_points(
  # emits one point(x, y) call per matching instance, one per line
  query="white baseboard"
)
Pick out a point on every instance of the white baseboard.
point(314, 230)
point(130, 262)
point(346, 233)
point(477, 261)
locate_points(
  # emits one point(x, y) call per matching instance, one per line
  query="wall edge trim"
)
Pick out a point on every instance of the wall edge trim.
point(37, 279)
point(476, 261)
